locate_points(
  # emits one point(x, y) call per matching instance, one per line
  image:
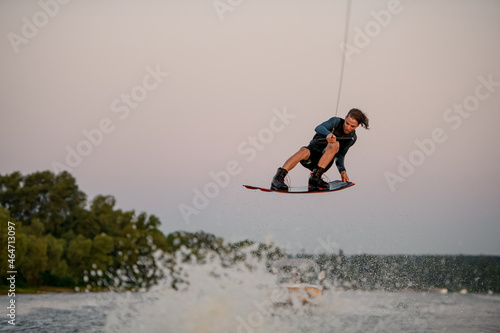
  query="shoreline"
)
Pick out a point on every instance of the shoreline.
point(39, 290)
point(66, 290)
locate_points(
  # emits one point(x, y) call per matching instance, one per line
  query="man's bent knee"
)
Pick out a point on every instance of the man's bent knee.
point(333, 147)
point(304, 153)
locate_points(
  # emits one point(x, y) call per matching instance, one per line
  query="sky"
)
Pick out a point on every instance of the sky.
point(171, 106)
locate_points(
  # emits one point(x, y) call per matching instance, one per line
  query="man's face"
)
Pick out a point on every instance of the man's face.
point(350, 125)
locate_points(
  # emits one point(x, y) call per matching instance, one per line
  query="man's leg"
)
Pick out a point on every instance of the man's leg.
point(278, 182)
point(328, 155)
point(315, 181)
point(302, 154)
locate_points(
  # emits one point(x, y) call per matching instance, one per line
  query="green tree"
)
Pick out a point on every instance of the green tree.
point(106, 218)
point(10, 186)
point(35, 260)
point(20, 242)
point(102, 247)
point(55, 251)
point(79, 251)
point(53, 199)
point(36, 228)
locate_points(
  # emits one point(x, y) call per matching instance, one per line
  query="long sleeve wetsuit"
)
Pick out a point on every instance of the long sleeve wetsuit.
point(334, 125)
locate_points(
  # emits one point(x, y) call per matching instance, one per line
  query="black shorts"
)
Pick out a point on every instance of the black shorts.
point(317, 149)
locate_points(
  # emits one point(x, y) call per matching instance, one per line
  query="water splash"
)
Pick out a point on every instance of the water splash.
point(208, 297)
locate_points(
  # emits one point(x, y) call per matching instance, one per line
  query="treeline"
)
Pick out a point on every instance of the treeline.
point(60, 237)
point(478, 274)
point(64, 240)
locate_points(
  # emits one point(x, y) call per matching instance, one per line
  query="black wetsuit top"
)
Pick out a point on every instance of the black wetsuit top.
point(333, 125)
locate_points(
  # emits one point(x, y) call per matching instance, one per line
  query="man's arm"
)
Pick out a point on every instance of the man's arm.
point(339, 161)
point(326, 127)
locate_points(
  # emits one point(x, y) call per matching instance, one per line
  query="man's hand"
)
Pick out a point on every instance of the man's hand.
point(330, 138)
point(344, 176)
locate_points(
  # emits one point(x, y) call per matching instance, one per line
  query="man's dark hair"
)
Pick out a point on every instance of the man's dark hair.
point(359, 116)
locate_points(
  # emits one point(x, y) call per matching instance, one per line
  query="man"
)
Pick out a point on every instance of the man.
point(323, 149)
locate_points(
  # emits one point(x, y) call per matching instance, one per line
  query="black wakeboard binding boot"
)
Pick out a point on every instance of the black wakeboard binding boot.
point(278, 183)
point(315, 181)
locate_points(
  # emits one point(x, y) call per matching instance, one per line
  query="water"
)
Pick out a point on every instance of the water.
point(240, 299)
point(339, 311)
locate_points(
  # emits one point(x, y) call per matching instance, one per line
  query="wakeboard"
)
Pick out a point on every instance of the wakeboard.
point(335, 185)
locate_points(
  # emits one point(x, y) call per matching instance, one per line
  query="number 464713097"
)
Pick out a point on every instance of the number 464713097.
point(11, 239)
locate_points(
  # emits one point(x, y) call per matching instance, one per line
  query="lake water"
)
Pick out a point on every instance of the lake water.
point(214, 299)
point(338, 311)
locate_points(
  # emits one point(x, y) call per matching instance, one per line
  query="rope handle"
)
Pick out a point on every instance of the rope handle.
point(341, 138)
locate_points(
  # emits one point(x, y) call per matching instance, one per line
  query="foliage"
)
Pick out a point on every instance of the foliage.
point(62, 240)
point(59, 237)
